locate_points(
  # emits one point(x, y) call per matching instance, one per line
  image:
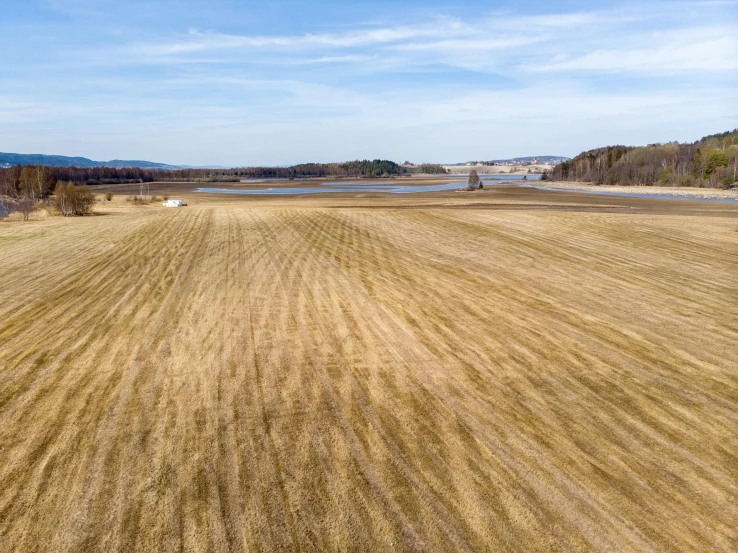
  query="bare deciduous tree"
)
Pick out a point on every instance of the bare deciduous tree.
point(73, 200)
point(25, 206)
point(143, 193)
point(36, 182)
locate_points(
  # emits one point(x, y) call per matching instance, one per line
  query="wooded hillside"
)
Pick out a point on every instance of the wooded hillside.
point(710, 162)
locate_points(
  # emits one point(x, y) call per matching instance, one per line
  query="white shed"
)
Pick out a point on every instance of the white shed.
point(173, 203)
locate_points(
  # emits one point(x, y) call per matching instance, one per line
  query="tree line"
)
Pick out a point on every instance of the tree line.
point(110, 175)
point(21, 188)
point(430, 169)
point(709, 162)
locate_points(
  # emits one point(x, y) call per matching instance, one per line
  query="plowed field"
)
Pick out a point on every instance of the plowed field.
point(318, 375)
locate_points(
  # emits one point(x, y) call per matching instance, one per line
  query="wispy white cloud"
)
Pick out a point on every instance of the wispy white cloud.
point(597, 41)
point(711, 49)
point(486, 33)
point(435, 88)
point(449, 46)
point(563, 21)
point(318, 122)
point(339, 59)
point(199, 41)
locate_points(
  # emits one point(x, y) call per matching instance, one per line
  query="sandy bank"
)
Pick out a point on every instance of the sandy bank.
point(657, 190)
point(496, 169)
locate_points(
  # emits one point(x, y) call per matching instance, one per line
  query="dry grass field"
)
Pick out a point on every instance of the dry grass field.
point(508, 370)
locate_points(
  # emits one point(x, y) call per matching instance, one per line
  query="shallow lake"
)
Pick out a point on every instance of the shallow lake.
point(390, 187)
point(457, 182)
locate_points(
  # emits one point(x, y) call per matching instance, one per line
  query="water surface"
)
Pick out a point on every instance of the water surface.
point(390, 187)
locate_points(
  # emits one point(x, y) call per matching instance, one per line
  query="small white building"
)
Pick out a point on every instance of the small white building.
point(173, 203)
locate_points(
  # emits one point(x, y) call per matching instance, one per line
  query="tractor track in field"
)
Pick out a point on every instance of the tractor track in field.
point(240, 376)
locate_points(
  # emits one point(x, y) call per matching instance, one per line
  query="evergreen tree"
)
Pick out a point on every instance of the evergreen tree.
point(474, 182)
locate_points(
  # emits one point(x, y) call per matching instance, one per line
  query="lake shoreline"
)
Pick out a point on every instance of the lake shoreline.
point(702, 193)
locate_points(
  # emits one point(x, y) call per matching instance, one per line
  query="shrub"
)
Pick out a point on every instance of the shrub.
point(727, 182)
point(717, 159)
point(108, 196)
point(25, 206)
point(686, 180)
point(73, 200)
point(666, 175)
point(165, 198)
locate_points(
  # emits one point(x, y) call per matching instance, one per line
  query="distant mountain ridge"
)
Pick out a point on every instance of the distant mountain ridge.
point(65, 161)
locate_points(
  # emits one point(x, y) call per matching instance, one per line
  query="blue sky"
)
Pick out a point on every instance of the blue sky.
point(257, 83)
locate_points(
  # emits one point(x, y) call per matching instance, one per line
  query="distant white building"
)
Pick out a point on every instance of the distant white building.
point(173, 203)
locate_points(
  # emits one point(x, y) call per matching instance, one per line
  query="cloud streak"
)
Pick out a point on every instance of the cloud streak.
point(201, 41)
point(595, 42)
point(202, 91)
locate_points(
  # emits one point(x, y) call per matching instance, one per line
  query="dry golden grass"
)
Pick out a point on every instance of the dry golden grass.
point(303, 374)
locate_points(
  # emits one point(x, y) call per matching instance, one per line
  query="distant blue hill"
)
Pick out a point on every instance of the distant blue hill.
point(64, 161)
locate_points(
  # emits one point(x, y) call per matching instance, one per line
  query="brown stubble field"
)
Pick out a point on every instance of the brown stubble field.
point(512, 370)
